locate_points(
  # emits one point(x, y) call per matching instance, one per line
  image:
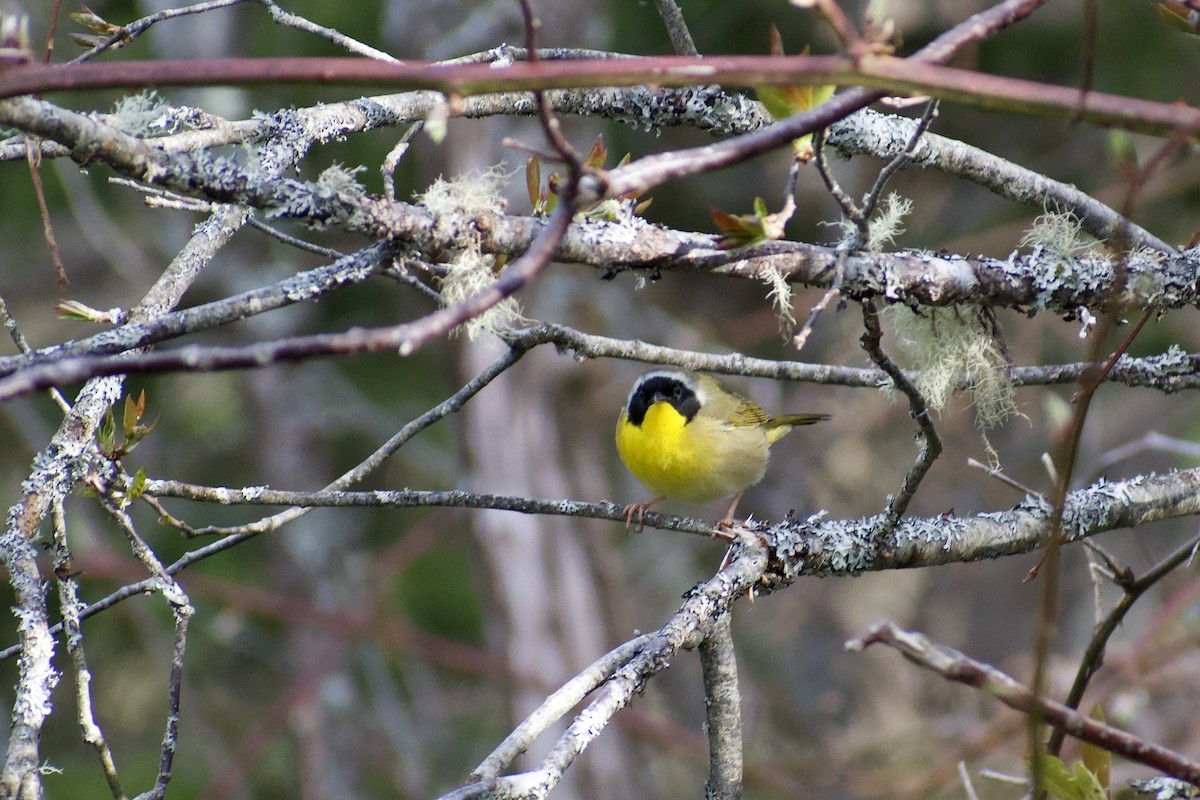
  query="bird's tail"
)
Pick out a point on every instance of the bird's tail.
point(778, 427)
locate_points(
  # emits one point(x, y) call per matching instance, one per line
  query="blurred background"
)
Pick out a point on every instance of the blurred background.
point(383, 653)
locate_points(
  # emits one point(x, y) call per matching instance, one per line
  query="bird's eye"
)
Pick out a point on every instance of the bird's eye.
point(678, 391)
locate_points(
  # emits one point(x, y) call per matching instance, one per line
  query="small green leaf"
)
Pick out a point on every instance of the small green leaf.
point(73, 309)
point(1088, 784)
point(598, 154)
point(139, 484)
point(1058, 780)
point(1097, 759)
point(94, 22)
point(533, 180)
point(745, 230)
point(133, 412)
point(106, 434)
point(1077, 783)
point(786, 101)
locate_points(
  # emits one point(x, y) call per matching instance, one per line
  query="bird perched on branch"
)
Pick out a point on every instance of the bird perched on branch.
point(687, 437)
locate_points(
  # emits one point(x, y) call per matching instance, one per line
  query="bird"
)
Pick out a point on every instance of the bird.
point(686, 437)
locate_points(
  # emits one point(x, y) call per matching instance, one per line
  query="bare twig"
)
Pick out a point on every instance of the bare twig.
point(871, 199)
point(845, 202)
point(1005, 479)
point(955, 666)
point(337, 37)
point(1093, 656)
point(402, 498)
point(1151, 441)
point(965, 777)
point(931, 443)
point(60, 269)
point(405, 338)
point(134, 29)
point(57, 470)
point(677, 29)
point(181, 609)
point(14, 331)
point(1171, 372)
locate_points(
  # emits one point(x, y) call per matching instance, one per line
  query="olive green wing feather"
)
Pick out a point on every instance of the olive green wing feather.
point(727, 406)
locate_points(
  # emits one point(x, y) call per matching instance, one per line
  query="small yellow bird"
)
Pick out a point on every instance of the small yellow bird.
point(686, 437)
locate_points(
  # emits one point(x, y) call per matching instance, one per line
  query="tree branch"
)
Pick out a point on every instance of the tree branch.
point(723, 712)
point(955, 666)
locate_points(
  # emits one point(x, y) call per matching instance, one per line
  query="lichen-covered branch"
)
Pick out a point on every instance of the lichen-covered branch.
point(723, 711)
point(846, 547)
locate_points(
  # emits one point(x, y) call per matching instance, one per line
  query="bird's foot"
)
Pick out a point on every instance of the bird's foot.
point(640, 510)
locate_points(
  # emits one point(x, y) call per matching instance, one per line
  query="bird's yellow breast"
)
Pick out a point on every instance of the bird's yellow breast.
point(695, 461)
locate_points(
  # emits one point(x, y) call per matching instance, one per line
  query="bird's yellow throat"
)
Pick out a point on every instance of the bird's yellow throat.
point(661, 435)
point(664, 453)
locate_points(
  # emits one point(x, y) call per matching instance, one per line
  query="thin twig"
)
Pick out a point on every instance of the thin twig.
point(931, 443)
point(68, 594)
point(677, 29)
point(965, 777)
point(181, 609)
point(955, 666)
point(841, 197)
point(1093, 656)
point(337, 37)
point(1003, 478)
point(400, 498)
point(381, 454)
point(134, 29)
point(392, 160)
point(836, 547)
point(34, 160)
point(14, 331)
point(834, 292)
point(871, 199)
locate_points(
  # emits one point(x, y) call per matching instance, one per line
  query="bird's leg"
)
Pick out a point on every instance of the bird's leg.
point(726, 522)
point(640, 510)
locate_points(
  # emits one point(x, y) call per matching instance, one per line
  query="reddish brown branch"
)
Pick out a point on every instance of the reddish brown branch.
point(895, 75)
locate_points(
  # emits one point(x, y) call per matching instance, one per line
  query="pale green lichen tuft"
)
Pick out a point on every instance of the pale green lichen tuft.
point(140, 114)
point(472, 194)
point(944, 344)
point(339, 181)
point(1060, 233)
point(469, 270)
point(779, 292)
point(885, 226)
